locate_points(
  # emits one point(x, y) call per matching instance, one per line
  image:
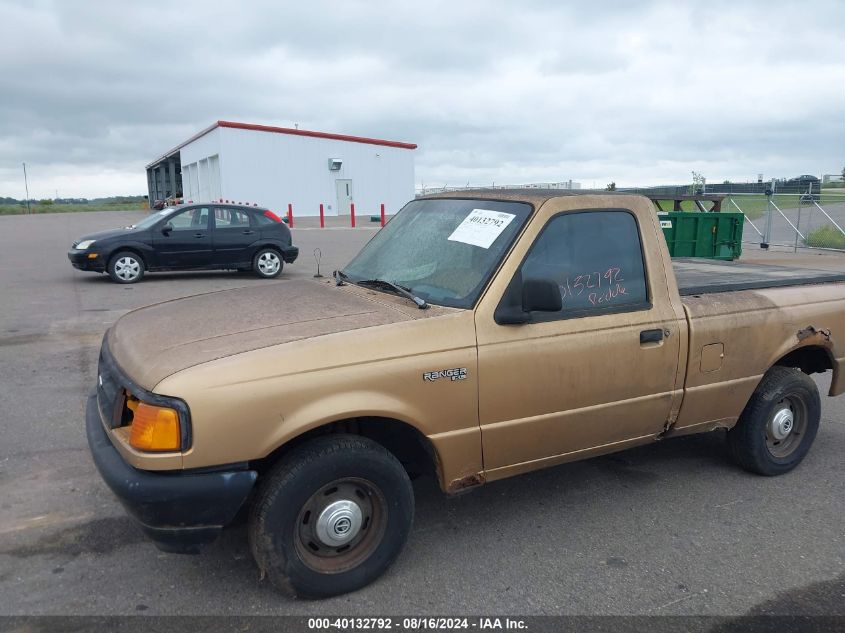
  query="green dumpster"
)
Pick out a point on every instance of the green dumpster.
point(709, 235)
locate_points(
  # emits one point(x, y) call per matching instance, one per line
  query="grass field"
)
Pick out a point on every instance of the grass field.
point(16, 209)
point(826, 237)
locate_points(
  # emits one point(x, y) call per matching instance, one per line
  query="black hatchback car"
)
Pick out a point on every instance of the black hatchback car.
point(190, 237)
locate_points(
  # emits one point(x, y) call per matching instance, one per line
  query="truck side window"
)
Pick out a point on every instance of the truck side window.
point(596, 259)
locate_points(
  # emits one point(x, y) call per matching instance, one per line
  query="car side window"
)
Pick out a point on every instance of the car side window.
point(190, 220)
point(225, 217)
point(596, 260)
point(260, 219)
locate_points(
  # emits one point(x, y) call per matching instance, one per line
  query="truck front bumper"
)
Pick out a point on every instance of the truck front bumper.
point(180, 511)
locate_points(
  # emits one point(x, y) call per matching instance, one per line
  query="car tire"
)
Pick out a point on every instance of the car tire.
point(126, 267)
point(331, 516)
point(267, 263)
point(779, 423)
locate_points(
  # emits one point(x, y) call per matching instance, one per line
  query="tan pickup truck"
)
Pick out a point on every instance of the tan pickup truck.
point(479, 335)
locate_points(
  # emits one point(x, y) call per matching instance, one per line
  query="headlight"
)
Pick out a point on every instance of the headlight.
point(84, 244)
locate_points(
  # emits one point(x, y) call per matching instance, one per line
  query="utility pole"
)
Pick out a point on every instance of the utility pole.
point(26, 184)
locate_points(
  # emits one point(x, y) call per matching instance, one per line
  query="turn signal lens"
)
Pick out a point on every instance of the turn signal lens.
point(154, 428)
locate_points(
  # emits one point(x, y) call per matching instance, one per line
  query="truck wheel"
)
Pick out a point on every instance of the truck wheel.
point(126, 267)
point(267, 263)
point(779, 423)
point(331, 516)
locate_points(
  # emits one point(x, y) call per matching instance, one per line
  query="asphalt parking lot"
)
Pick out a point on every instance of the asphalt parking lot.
point(672, 528)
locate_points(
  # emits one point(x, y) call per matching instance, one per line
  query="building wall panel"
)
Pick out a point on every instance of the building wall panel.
point(273, 170)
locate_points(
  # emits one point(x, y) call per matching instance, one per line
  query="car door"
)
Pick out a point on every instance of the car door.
point(233, 236)
point(184, 239)
point(601, 372)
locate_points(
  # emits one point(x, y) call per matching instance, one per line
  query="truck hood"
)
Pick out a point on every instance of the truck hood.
point(155, 342)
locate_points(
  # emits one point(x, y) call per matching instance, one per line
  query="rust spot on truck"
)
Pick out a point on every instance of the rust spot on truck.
point(465, 483)
point(810, 331)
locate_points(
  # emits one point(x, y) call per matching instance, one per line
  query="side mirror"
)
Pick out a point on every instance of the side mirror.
point(541, 295)
point(165, 230)
point(524, 297)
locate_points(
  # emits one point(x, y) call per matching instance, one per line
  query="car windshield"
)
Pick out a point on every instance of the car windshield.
point(443, 251)
point(151, 219)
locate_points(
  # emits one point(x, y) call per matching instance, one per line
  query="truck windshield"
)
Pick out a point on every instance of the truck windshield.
point(444, 251)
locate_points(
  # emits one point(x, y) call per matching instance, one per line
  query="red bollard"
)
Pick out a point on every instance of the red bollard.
point(352, 217)
point(290, 215)
point(322, 217)
point(382, 214)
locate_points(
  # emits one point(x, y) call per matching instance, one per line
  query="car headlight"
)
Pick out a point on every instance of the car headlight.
point(84, 244)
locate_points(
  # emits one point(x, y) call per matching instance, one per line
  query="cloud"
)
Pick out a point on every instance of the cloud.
point(636, 92)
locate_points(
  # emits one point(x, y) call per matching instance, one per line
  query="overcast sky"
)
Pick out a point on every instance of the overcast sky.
point(633, 92)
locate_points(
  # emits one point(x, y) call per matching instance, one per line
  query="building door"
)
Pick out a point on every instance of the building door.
point(344, 196)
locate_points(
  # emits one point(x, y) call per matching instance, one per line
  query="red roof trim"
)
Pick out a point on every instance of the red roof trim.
point(283, 130)
point(296, 132)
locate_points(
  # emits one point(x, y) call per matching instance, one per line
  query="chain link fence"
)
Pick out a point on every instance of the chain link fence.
point(792, 220)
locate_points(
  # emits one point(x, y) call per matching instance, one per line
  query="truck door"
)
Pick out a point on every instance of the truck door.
point(600, 372)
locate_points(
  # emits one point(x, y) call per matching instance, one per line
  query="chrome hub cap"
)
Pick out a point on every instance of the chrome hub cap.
point(127, 268)
point(339, 523)
point(782, 424)
point(786, 429)
point(268, 263)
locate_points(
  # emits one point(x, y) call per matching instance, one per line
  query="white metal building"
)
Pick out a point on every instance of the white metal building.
point(275, 166)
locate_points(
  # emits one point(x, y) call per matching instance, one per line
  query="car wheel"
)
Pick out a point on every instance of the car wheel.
point(779, 423)
point(267, 263)
point(331, 517)
point(126, 267)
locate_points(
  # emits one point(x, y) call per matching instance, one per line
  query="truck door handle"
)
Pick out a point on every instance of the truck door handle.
point(199, 234)
point(248, 232)
point(651, 336)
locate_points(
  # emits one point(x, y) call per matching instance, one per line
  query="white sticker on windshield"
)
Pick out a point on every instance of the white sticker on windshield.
point(481, 227)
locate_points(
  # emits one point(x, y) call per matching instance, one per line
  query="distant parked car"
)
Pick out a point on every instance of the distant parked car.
point(189, 237)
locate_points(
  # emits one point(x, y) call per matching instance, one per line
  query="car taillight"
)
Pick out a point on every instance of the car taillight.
point(272, 216)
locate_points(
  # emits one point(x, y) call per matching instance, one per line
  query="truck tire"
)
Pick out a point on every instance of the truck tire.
point(126, 267)
point(331, 516)
point(779, 423)
point(267, 263)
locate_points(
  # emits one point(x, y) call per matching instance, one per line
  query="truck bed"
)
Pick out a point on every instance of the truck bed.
point(697, 277)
